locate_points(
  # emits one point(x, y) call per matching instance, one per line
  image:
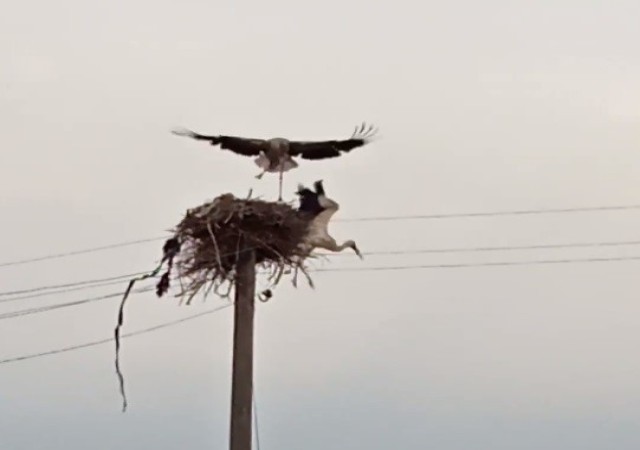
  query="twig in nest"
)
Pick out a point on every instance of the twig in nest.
point(279, 272)
point(215, 244)
point(226, 294)
point(229, 217)
point(300, 267)
point(309, 279)
point(274, 279)
point(208, 291)
point(195, 291)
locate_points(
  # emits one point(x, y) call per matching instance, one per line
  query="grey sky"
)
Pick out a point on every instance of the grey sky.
point(482, 106)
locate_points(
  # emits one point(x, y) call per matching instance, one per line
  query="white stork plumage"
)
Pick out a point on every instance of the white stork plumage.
point(276, 155)
point(320, 208)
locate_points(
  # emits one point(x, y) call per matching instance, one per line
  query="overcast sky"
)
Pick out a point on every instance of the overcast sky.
point(482, 106)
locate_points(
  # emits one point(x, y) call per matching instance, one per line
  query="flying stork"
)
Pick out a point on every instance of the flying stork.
point(276, 155)
point(320, 208)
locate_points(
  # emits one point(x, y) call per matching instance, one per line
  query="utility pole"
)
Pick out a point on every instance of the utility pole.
point(242, 372)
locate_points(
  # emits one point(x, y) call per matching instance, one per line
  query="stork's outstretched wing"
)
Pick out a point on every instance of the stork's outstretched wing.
point(320, 222)
point(362, 135)
point(239, 145)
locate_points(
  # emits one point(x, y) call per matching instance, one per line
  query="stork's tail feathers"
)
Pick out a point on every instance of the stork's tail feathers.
point(319, 187)
point(364, 132)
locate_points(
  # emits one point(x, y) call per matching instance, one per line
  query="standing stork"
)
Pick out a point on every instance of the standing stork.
point(276, 155)
point(321, 208)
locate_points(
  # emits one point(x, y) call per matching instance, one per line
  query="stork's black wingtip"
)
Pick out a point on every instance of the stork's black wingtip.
point(365, 131)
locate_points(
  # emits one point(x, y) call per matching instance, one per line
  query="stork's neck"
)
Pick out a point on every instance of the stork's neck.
point(344, 245)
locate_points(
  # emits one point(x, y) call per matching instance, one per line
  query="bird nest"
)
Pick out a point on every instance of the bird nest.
point(208, 243)
point(210, 239)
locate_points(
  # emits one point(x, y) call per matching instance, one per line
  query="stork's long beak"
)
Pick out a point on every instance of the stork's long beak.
point(355, 249)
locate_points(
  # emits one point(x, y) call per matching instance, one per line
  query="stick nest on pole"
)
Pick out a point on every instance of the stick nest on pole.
point(212, 235)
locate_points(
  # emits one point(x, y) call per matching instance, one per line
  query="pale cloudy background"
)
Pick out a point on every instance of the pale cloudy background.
point(483, 106)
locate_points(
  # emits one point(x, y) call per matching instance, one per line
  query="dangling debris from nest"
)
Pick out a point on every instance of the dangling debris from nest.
point(169, 251)
point(265, 295)
point(206, 244)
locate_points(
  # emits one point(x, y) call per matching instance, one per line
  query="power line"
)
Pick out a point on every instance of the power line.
point(100, 282)
point(41, 309)
point(493, 249)
point(346, 269)
point(361, 219)
point(30, 311)
point(69, 285)
point(106, 341)
point(60, 291)
point(88, 284)
point(521, 212)
point(487, 264)
point(79, 252)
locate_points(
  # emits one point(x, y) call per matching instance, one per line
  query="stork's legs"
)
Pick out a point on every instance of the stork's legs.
point(261, 174)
